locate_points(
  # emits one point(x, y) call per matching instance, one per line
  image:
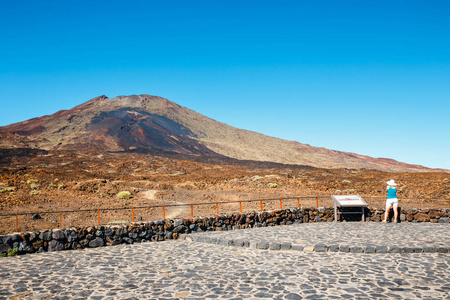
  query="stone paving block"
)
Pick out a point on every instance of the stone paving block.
point(297, 247)
point(370, 249)
point(394, 249)
point(333, 248)
point(356, 249)
point(292, 296)
point(275, 246)
point(239, 243)
point(344, 248)
point(262, 245)
point(320, 248)
point(408, 250)
point(381, 249)
point(430, 249)
point(286, 246)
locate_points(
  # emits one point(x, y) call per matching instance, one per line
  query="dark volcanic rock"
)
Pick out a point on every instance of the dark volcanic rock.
point(55, 245)
point(97, 242)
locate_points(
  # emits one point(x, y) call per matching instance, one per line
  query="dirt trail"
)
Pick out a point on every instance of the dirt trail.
point(172, 212)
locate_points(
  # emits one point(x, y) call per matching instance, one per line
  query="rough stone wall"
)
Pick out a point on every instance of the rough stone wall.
point(109, 235)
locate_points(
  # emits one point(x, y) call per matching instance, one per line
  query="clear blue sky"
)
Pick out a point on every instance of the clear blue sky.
point(370, 77)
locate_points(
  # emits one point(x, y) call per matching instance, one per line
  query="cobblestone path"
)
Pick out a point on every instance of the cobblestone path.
point(184, 269)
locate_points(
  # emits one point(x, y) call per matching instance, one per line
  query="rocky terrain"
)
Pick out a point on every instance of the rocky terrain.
point(63, 180)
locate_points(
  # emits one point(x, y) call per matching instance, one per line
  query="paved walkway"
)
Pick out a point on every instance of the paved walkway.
point(198, 270)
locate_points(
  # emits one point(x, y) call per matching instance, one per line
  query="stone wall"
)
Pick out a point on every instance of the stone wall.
point(108, 235)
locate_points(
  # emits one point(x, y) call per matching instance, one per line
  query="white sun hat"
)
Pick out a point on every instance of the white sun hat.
point(391, 182)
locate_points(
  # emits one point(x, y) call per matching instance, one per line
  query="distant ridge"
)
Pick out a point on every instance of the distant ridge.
point(152, 124)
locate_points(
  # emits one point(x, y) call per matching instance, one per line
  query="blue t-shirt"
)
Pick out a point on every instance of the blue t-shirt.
point(392, 193)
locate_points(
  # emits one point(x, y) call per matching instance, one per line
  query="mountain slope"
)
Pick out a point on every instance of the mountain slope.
point(153, 124)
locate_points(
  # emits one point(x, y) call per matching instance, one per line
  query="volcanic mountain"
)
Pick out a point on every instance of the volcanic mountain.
point(151, 124)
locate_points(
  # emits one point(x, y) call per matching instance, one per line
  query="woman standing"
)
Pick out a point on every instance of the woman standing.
point(391, 200)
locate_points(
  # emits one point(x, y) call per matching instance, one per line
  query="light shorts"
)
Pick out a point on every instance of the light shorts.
point(391, 201)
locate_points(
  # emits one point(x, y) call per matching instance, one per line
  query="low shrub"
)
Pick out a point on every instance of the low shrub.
point(12, 251)
point(34, 186)
point(272, 185)
point(124, 195)
point(6, 189)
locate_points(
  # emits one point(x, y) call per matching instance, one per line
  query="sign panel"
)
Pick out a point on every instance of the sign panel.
point(348, 200)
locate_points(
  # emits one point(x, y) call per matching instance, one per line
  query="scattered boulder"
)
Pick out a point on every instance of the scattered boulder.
point(36, 217)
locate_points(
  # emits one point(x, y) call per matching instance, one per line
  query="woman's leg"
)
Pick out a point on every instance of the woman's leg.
point(386, 214)
point(395, 208)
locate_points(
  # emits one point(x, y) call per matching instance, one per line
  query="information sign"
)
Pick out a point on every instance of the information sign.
point(348, 201)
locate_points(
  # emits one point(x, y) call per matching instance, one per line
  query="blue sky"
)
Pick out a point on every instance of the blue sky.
point(370, 77)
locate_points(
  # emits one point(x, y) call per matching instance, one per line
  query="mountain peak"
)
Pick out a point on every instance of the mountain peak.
point(154, 124)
